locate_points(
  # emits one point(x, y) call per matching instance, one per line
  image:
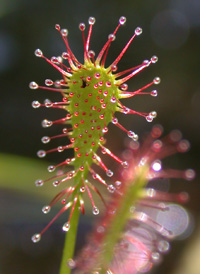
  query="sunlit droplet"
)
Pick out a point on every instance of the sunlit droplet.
point(138, 31)
point(66, 227)
point(157, 165)
point(95, 210)
point(36, 238)
point(111, 188)
point(51, 168)
point(38, 53)
point(41, 153)
point(163, 246)
point(46, 209)
point(157, 80)
point(91, 20)
point(33, 85)
point(39, 182)
point(125, 164)
point(46, 123)
point(154, 59)
point(36, 104)
point(45, 139)
point(122, 20)
point(109, 173)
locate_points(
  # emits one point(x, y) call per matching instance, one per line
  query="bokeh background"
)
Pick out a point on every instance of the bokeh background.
point(171, 30)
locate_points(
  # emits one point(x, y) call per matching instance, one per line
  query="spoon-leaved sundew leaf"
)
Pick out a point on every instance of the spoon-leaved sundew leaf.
point(90, 96)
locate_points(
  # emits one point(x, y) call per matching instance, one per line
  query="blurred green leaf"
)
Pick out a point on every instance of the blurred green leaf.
point(19, 174)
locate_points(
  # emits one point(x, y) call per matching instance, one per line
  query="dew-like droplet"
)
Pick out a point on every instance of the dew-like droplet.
point(95, 210)
point(54, 60)
point(154, 93)
point(45, 139)
point(97, 75)
point(149, 118)
point(82, 189)
point(143, 161)
point(125, 164)
point(91, 54)
point(138, 31)
point(101, 116)
point(105, 130)
point(38, 53)
point(63, 201)
point(153, 114)
point(59, 58)
point(150, 192)
point(91, 20)
point(157, 131)
point(122, 20)
point(39, 182)
point(48, 82)
point(55, 183)
point(118, 184)
point(82, 26)
point(65, 55)
point(60, 149)
point(175, 135)
point(190, 174)
point(146, 63)
point(157, 165)
point(126, 110)
point(71, 263)
point(124, 86)
point(100, 229)
point(114, 120)
point(105, 93)
point(135, 138)
point(132, 135)
point(111, 188)
point(132, 209)
point(114, 68)
point(51, 168)
point(57, 26)
point(104, 150)
point(157, 145)
point(108, 85)
point(46, 123)
point(33, 85)
point(109, 173)
point(36, 104)
point(66, 226)
point(111, 37)
point(36, 238)
point(154, 59)
point(48, 103)
point(163, 246)
point(46, 209)
point(41, 153)
point(183, 146)
point(64, 32)
point(57, 84)
point(103, 105)
point(155, 256)
point(157, 80)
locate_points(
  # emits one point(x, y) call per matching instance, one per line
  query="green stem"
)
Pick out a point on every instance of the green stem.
point(70, 241)
point(120, 218)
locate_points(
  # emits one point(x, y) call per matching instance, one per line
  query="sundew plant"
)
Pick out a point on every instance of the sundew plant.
point(90, 95)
